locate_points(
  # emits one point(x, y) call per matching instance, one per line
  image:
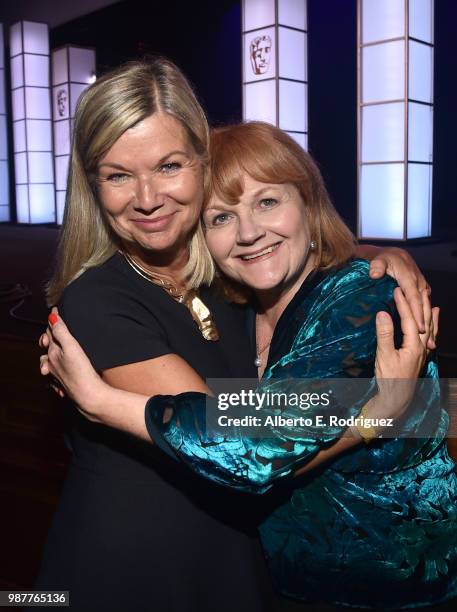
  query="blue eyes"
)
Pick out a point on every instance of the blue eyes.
point(224, 218)
point(118, 178)
point(268, 202)
point(220, 219)
point(170, 167)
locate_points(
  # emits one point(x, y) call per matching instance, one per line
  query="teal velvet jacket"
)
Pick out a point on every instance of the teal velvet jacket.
point(378, 526)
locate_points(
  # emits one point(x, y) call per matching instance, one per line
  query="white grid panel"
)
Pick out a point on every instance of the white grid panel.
point(395, 118)
point(73, 69)
point(275, 64)
point(4, 178)
point(32, 129)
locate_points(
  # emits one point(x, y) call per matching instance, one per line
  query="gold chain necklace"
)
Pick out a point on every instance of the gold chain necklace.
point(190, 298)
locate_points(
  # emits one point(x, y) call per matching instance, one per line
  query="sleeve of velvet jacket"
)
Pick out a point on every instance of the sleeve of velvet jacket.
point(336, 339)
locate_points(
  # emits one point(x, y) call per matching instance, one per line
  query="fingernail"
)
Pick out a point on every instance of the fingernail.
point(53, 318)
point(382, 315)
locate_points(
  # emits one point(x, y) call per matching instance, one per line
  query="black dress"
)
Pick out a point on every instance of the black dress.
point(134, 530)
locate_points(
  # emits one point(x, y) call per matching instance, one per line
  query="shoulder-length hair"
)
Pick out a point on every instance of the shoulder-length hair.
point(114, 103)
point(269, 155)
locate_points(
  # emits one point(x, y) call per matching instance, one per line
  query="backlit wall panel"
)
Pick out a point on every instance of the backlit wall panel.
point(73, 69)
point(4, 181)
point(395, 111)
point(32, 126)
point(275, 65)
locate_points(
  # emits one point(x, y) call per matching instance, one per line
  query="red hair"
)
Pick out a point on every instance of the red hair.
point(269, 155)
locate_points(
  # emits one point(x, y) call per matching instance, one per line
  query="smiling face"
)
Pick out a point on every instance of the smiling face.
point(263, 240)
point(150, 187)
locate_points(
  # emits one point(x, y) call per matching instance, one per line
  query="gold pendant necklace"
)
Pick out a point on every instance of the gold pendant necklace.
point(190, 298)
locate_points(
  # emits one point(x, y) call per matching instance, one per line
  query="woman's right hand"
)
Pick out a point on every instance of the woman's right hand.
point(69, 365)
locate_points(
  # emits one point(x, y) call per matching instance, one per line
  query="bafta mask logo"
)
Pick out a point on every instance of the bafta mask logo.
point(62, 102)
point(260, 54)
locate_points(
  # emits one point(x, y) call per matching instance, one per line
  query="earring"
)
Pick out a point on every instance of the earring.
point(312, 245)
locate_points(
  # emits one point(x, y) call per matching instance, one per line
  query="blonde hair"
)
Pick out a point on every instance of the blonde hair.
point(269, 155)
point(113, 104)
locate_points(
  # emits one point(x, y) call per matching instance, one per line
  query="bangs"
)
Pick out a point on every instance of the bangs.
point(253, 149)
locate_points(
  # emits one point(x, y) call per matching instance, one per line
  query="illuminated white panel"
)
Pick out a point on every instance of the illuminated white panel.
point(73, 69)
point(22, 204)
point(61, 172)
point(259, 55)
point(20, 143)
point(36, 39)
point(258, 14)
point(420, 72)
point(37, 103)
point(292, 13)
point(383, 187)
point(15, 39)
point(18, 104)
point(275, 58)
point(419, 200)
point(302, 139)
point(36, 70)
point(39, 135)
point(382, 19)
point(20, 167)
point(17, 71)
point(40, 167)
point(260, 101)
point(61, 137)
point(76, 89)
point(383, 132)
point(43, 209)
point(4, 179)
point(382, 201)
point(4, 182)
point(292, 54)
point(421, 19)
point(82, 64)
point(383, 72)
point(2, 91)
point(420, 132)
point(293, 111)
point(59, 66)
point(3, 138)
point(60, 205)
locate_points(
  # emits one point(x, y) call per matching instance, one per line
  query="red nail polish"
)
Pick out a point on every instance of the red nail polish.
point(53, 318)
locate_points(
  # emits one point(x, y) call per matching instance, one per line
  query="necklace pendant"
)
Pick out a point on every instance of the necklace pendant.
point(257, 362)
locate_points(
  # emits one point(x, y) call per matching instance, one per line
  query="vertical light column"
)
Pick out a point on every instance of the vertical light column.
point(395, 118)
point(32, 129)
point(275, 65)
point(73, 69)
point(4, 181)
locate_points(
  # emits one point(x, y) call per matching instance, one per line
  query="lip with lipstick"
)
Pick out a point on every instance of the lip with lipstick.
point(154, 224)
point(260, 255)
